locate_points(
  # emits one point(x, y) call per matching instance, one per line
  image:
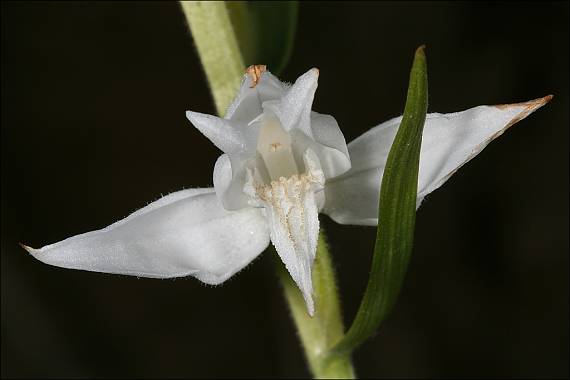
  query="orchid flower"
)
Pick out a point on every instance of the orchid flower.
point(282, 164)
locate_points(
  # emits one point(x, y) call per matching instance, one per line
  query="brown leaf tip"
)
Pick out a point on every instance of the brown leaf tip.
point(29, 249)
point(531, 104)
point(528, 108)
point(255, 71)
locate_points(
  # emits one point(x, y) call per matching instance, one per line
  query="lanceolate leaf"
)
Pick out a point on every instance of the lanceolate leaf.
point(396, 216)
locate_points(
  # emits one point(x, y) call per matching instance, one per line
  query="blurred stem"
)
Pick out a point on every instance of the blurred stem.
point(321, 332)
point(218, 48)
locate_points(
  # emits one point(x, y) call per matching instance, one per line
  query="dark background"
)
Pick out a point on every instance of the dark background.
point(93, 128)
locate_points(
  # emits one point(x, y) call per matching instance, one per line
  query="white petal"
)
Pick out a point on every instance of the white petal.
point(224, 134)
point(247, 104)
point(328, 144)
point(229, 179)
point(186, 233)
point(294, 108)
point(449, 141)
point(292, 213)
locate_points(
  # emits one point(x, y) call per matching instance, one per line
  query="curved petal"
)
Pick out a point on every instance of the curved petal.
point(186, 233)
point(331, 145)
point(294, 109)
point(229, 179)
point(449, 141)
point(247, 104)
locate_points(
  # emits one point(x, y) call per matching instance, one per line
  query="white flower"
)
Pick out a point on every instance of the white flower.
point(282, 165)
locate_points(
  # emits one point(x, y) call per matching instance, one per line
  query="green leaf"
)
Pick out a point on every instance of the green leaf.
point(396, 214)
point(265, 31)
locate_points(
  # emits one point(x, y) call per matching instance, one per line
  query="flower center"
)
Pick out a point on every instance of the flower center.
point(283, 184)
point(274, 145)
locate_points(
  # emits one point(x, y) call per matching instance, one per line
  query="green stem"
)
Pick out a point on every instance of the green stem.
point(218, 48)
point(321, 332)
point(220, 54)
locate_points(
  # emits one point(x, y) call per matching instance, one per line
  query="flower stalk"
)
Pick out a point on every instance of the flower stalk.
point(223, 63)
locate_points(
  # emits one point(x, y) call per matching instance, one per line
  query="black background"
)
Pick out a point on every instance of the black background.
point(93, 128)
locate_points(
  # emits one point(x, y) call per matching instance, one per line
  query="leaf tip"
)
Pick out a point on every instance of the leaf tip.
point(526, 108)
point(420, 51)
point(420, 60)
point(27, 248)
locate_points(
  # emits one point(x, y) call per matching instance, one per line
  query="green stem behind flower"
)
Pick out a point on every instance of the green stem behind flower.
point(321, 332)
point(218, 48)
